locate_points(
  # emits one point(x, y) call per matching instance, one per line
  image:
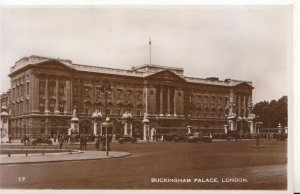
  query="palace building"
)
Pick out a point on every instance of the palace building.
point(45, 91)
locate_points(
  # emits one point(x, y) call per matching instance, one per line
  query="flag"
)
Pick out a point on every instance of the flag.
point(149, 41)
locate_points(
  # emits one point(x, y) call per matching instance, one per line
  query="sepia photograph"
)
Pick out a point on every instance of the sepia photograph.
point(145, 97)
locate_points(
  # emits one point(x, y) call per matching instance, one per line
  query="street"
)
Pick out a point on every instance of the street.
point(162, 165)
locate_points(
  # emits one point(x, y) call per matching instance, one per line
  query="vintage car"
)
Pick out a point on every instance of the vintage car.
point(206, 139)
point(193, 138)
point(127, 139)
point(180, 138)
point(41, 141)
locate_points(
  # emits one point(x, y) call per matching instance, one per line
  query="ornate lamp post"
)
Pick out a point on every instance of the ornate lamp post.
point(231, 117)
point(146, 127)
point(106, 91)
point(127, 117)
point(4, 125)
point(74, 124)
point(96, 117)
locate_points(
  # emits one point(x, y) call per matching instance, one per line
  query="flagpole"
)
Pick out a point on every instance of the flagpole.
point(150, 48)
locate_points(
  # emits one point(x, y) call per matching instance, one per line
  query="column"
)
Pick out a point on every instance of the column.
point(175, 101)
point(239, 105)
point(34, 93)
point(245, 106)
point(130, 129)
point(95, 128)
point(249, 104)
point(126, 129)
point(68, 96)
point(56, 108)
point(251, 126)
point(168, 102)
point(47, 97)
point(161, 102)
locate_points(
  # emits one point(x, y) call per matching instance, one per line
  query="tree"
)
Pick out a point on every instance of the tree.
point(273, 112)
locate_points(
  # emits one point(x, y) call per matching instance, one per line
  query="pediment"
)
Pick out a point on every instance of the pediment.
point(166, 75)
point(54, 65)
point(244, 85)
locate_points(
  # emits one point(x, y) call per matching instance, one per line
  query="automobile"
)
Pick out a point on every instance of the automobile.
point(169, 137)
point(127, 139)
point(41, 141)
point(193, 138)
point(179, 138)
point(207, 139)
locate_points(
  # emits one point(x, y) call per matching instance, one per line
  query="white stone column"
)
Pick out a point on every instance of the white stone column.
point(47, 97)
point(125, 129)
point(130, 129)
point(168, 102)
point(161, 101)
point(101, 131)
point(146, 131)
point(68, 96)
point(56, 108)
point(189, 130)
point(251, 127)
point(175, 101)
point(231, 125)
point(95, 128)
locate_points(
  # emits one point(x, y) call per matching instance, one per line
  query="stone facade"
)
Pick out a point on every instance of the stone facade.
point(45, 91)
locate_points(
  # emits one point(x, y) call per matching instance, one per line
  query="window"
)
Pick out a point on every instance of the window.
point(179, 94)
point(226, 101)
point(119, 110)
point(87, 108)
point(87, 92)
point(213, 100)
point(21, 108)
point(151, 92)
point(42, 106)
point(61, 107)
point(129, 94)
point(98, 93)
point(138, 111)
point(27, 87)
point(27, 107)
point(139, 96)
point(75, 90)
point(109, 109)
point(119, 94)
point(51, 89)
point(51, 105)
point(61, 90)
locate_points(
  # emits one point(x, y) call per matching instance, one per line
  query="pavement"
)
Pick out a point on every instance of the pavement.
point(74, 155)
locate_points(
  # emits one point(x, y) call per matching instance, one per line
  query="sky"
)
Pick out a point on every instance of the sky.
point(249, 43)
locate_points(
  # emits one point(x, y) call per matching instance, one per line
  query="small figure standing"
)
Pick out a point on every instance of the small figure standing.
point(61, 143)
point(97, 142)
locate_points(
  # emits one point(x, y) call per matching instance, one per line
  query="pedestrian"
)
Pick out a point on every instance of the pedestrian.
point(103, 139)
point(85, 142)
point(81, 141)
point(97, 142)
point(61, 143)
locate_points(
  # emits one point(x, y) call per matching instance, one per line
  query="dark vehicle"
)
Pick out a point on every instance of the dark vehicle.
point(41, 141)
point(127, 139)
point(179, 138)
point(207, 139)
point(169, 137)
point(193, 138)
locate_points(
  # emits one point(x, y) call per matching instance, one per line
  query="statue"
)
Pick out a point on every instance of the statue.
point(74, 112)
